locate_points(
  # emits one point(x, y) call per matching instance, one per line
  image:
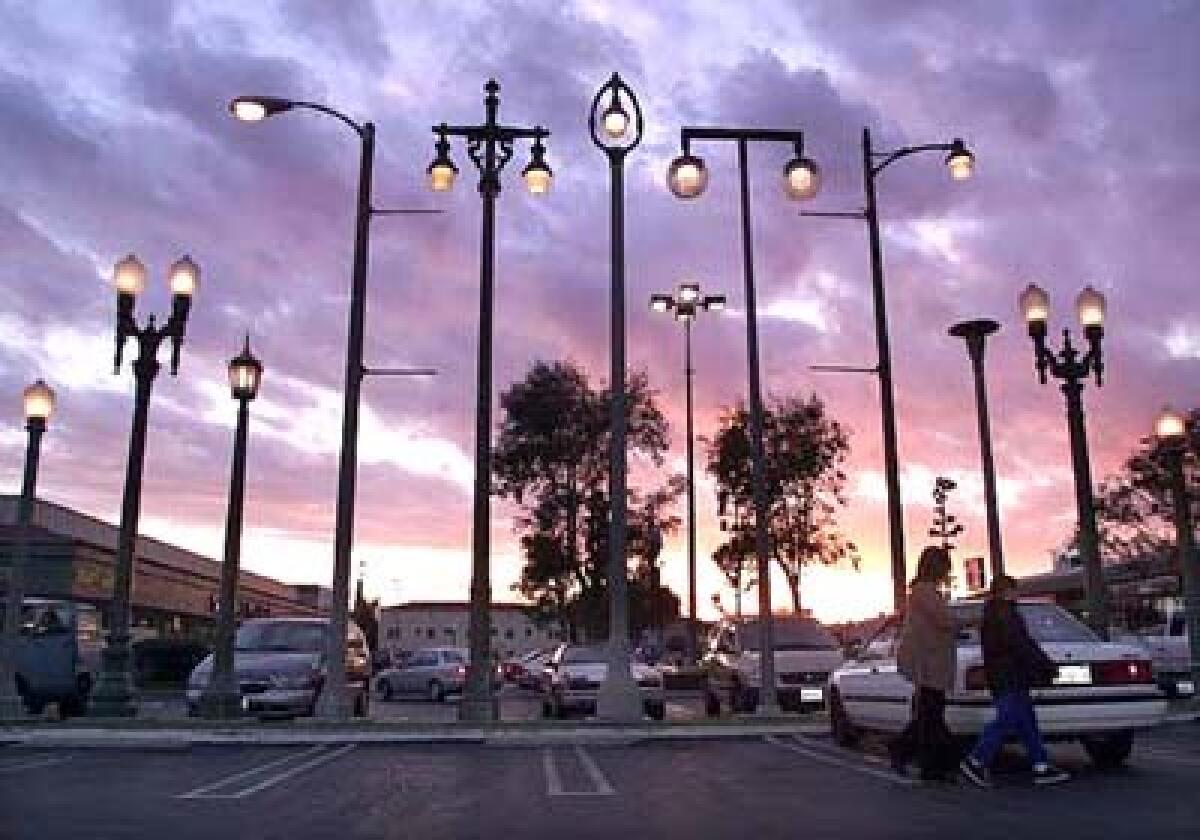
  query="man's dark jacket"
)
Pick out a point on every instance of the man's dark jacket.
point(1012, 659)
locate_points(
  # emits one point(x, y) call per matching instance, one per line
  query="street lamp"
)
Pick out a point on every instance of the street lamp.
point(1171, 431)
point(222, 696)
point(960, 164)
point(687, 302)
point(687, 178)
point(114, 691)
point(975, 334)
point(618, 698)
point(1072, 369)
point(333, 701)
point(490, 147)
point(37, 400)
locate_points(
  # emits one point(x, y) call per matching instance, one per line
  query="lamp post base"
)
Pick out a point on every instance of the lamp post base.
point(12, 708)
point(221, 704)
point(114, 695)
point(479, 709)
point(619, 700)
point(333, 705)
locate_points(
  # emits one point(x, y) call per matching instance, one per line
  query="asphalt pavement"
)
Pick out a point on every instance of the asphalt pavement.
point(777, 786)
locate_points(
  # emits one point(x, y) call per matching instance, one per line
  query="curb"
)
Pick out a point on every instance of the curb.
point(183, 739)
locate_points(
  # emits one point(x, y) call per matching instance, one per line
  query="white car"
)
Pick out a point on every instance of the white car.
point(1103, 693)
point(574, 676)
point(805, 655)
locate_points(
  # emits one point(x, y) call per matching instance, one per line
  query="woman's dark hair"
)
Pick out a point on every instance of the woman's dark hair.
point(933, 566)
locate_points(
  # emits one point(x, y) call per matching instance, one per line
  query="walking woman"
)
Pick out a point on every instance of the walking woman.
point(927, 656)
point(1014, 664)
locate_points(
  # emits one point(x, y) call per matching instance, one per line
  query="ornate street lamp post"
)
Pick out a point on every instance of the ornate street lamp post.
point(1171, 431)
point(686, 303)
point(960, 163)
point(114, 692)
point(222, 697)
point(38, 403)
point(490, 147)
point(975, 334)
point(616, 136)
point(1072, 369)
point(687, 177)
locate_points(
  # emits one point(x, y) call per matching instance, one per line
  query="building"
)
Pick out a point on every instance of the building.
point(174, 593)
point(404, 628)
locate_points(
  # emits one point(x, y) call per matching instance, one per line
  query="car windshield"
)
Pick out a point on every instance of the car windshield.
point(584, 655)
point(1047, 623)
point(789, 635)
point(281, 636)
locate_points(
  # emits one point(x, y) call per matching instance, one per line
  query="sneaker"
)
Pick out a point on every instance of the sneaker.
point(1048, 774)
point(975, 772)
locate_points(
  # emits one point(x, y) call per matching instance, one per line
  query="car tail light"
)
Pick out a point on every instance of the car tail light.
point(976, 678)
point(1123, 672)
point(461, 670)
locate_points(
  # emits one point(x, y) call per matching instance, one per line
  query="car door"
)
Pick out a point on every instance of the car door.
point(412, 677)
point(872, 690)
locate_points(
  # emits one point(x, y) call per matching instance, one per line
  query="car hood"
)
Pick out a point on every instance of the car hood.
point(1064, 653)
point(791, 661)
point(597, 671)
point(250, 665)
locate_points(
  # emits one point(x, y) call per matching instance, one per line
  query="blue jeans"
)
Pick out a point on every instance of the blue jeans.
point(1014, 716)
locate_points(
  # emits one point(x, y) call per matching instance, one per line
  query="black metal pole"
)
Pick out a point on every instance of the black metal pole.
point(222, 698)
point(334, 702)
point(768, 701)
point(114, 695)
point(691, 492)
point(891, 461)
point(1186, 553)
point(1089, 541)
point(10, 700)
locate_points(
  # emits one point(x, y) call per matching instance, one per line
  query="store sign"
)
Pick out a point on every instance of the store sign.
point(974, 574)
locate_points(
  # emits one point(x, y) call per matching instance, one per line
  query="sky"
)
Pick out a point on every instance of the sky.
point(115, 138)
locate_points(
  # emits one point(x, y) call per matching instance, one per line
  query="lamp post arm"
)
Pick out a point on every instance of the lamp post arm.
point(886, 158)
point(356, 127)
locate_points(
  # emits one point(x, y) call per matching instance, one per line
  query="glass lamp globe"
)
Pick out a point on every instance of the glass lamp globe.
point(687, 176)
point(1090, 307)
point(38, 401)
point(441, 174)
point(616, 120)
point(1035, 305)
point(248, 110)
point(129, 276)
point(1170, 426)
point(538, 177)
point(185, 277)
point(960, 161)
point(802, 178)
point(245, 374)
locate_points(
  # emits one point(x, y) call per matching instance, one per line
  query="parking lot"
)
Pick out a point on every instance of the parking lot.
point(768, 787)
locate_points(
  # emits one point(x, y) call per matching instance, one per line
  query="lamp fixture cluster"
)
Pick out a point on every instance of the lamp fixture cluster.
point(686, 302)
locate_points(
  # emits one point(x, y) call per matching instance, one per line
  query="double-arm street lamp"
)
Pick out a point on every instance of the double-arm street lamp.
point(686, 303)
point(222, 696)
point(114, 692)
point(1172, 433)
point(37, 400)
point(975, 334)
point(490, 147)
point(687, 177)
point(1072, 368)
point(334, 702)
point(615, 134)
point(961, 164)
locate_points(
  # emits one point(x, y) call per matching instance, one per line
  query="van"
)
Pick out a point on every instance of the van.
point(58, 654)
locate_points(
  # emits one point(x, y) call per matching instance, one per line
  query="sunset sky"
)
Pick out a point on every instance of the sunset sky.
point(114, 137)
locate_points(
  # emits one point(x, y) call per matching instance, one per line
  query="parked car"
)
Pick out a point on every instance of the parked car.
point(534, 675)
point(1102, 695)
point(805, 655)
point(280, 664)
point(1171, 656)
point(574, 675)
point(58, 654)
point(433, 673)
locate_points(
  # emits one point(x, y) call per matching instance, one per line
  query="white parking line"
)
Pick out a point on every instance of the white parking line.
point(554, 785)
point(230, 787)
point(793, 744)
point(32, 763)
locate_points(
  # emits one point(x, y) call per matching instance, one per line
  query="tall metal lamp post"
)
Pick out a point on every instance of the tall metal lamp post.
point(114, 692)
point(975, 333)
point(1171, 431)
point(37, 400)
point(687, 177)
point(616, 134)
point(334, 702)
point(490, 147)
point(961, 164)
point(1072, 368)
point(686, 303)
point(222, 697)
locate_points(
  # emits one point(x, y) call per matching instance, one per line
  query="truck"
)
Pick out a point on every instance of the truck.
point(1168, 646)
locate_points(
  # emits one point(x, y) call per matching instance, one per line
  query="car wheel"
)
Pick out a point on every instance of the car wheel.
point(845, 734)
point(1109, 751)
point(437, 693)
point(712, 704)
point(389, 693)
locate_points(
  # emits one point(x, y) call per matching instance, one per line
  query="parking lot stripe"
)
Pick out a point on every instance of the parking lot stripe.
point(204, 790)
point(553, 780)
point(554, 784)
point(795, 746)
point(33, 763)
point(603, 788)
point(292, 771)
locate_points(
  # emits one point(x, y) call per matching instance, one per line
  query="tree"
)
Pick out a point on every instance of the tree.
point(1134, 509)
point(805, 453)
point(552, 461)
